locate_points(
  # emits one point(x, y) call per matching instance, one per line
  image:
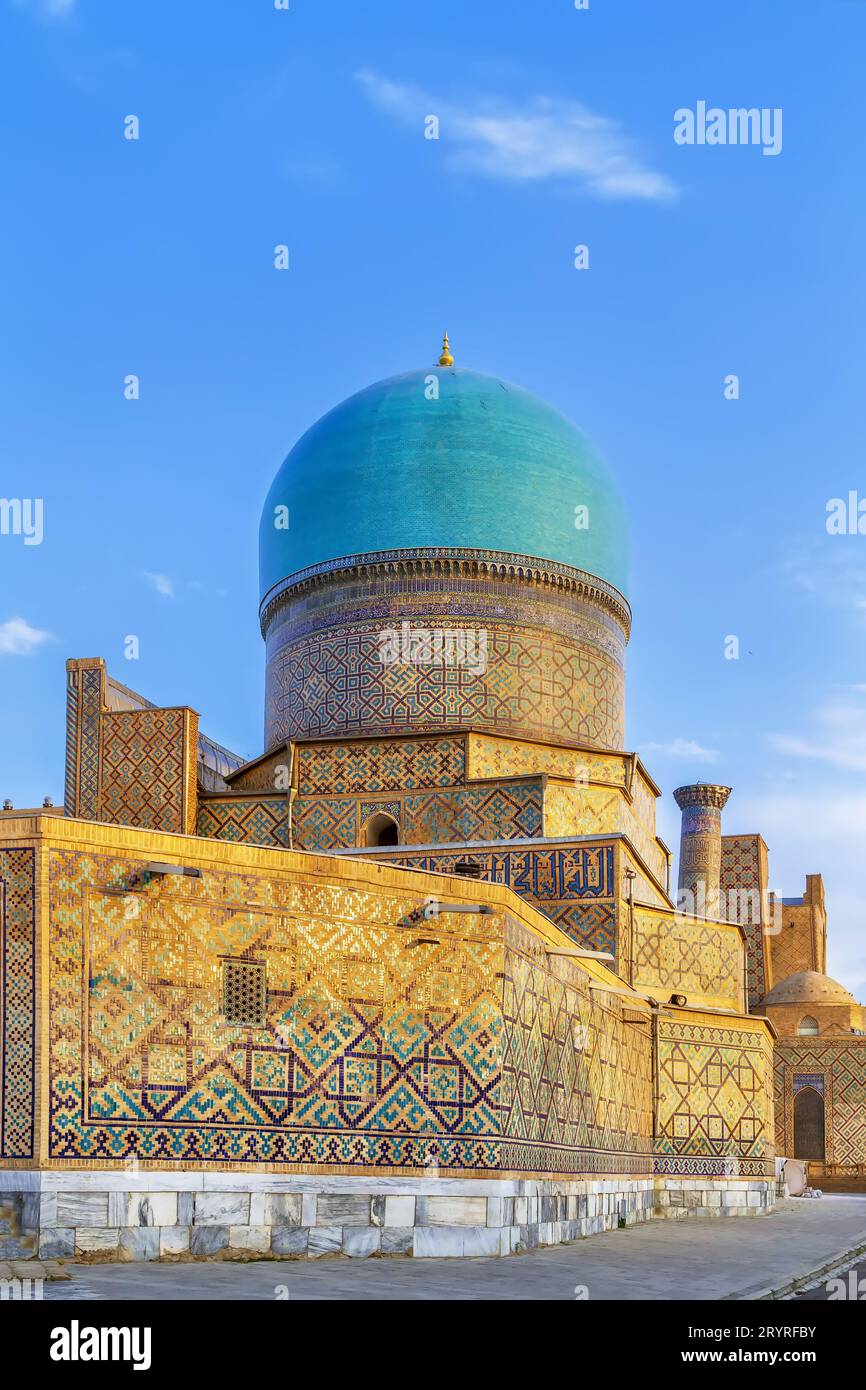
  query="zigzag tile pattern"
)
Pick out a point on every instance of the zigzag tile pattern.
point(262, 821)
point(142, 768)
point(380, 766)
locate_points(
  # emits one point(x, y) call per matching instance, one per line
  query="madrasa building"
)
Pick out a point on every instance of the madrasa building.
point(416, 980)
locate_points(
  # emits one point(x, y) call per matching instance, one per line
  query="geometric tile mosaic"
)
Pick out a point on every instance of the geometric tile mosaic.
point(257, 821)
point(575, 887)
point(836, 1067)
point(380, 766)
point(143, 768)
point(714, 1091)
point(741, 869)
point(576, 1077)
point(677, 954)
point(332, 683)
point(17, 1002)
point(373, 1051)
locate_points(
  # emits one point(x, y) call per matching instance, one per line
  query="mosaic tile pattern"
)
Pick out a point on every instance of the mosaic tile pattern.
point(537, 683)
point(144, 778)
point(377, 1050)
point(576, 1078)
point(741, 868)
point(674, 954)
point(594, 810)
point(503, 757)
point(493, 811)
point(573, 886)
point(840, 1066)
point(258, 821)
point(17, 1002)
point(380, 766)
point(325, 822)
point(372, 1054)
point(388, 807)
point(714, 1091)
point(85, 698)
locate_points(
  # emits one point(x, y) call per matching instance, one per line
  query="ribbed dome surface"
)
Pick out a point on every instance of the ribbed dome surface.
point(485, 466)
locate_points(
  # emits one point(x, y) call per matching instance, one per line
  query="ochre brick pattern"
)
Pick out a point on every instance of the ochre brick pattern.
point(741, 869)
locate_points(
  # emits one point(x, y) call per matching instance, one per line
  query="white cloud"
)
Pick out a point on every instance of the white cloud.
point(545, 139)
point(160, 582)
point(18, 638)
point(839, 737)
point(682, 748)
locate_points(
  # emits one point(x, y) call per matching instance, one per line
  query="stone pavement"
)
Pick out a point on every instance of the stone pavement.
point(700, 1259)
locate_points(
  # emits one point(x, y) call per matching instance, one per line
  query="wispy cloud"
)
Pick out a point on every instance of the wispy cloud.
point(542, 139)
point(18, 638)
point(48, 9)
point(197, 587)
point(160, 582)
point(685, 749)
point(838, 736)
point(830, 570)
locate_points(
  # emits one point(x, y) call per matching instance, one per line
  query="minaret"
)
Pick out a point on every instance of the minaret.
point(699, 884)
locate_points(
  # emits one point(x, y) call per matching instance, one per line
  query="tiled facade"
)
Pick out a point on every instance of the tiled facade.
point(715, 1098)
point(575, 886)
point(553, 666)
point(127, 765)
point(18, 985)
point(388, 1046)
point(835, 1067)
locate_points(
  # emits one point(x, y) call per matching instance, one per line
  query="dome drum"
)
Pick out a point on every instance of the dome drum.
point(533, 653)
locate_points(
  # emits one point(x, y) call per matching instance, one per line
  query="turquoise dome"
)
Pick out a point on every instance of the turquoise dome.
point(487, 466)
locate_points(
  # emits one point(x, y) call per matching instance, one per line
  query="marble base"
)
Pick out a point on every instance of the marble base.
point(167, 1215)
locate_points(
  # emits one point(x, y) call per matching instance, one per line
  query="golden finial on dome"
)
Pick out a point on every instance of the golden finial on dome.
point(446, 360)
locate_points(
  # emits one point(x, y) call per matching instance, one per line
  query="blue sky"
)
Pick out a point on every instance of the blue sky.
point(261, 127)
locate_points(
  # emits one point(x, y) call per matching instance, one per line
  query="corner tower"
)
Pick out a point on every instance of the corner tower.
point(443, 501)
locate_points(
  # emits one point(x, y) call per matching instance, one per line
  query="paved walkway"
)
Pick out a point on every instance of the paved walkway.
point(662, 1260)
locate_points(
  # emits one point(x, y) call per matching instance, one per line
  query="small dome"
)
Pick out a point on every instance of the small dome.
point(485, 465)
point(809, 987)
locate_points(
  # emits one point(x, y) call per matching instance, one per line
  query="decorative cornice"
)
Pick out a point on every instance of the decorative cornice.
point(702, 794)
point(440, 561)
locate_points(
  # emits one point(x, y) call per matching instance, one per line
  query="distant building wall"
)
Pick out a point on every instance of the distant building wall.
point(835, 1068)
